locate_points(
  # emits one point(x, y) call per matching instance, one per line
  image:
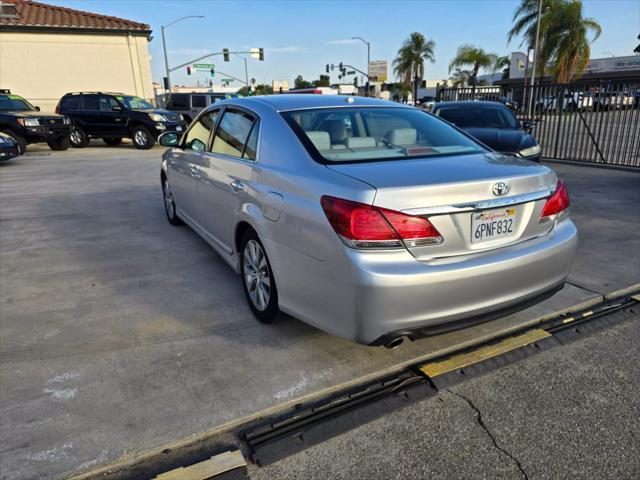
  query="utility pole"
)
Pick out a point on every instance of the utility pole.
point(167, 83)
point(535, 58)
point(368, 44)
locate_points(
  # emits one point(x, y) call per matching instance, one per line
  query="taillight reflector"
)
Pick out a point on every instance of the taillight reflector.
point(366, 226)
point(556, 203)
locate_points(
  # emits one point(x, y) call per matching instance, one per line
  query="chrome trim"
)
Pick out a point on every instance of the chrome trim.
point(482, 205)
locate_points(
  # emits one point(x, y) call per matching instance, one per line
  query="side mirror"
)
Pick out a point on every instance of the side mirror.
point(168, 139)
point(528, 126)
point(37, 108)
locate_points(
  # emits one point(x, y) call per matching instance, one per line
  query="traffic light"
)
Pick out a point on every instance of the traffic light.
point(340, 67)
point(225, 54)
point(213, 72)
point(327, 69)
point(188, 70)
point(261, 54)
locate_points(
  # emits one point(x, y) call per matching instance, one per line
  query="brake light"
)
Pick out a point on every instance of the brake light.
point(556, 203)
point(365, 226)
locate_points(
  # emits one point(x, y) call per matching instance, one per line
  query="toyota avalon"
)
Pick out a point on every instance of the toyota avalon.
point(368, 219)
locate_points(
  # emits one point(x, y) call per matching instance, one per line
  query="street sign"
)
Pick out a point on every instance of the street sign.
point(203, 66)
point(378, 70)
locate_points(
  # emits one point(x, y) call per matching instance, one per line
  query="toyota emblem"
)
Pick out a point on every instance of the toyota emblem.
point(500, 188)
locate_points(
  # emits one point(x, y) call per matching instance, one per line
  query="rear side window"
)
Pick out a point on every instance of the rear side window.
point(232, 133)
point(179, 101)
point(70, 103)
point(198, 101)
point(252, 144)
point(92, 102)
point(197, 138)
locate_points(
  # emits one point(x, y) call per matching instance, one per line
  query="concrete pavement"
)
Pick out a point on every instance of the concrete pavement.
point(120, 333)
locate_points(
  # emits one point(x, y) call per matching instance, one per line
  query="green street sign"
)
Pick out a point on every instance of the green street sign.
point(207, 66)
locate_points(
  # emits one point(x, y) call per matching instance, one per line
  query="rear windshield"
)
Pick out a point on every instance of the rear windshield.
point(478, 116)
point(360, 134)
point(14, 103)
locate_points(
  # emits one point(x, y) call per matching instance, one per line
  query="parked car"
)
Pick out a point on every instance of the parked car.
point(368, 219)
point(427, 102)
point(571, 102)
point(189, 105)
point(8, 147)
point(493, 124)
point(25, 123)
point(614, 100)
point(114, 116)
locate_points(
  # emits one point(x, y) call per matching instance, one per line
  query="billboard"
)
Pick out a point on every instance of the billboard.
point(378, 70)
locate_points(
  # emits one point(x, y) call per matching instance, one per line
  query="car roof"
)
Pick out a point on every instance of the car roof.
point(470, 103)
point(300, 101)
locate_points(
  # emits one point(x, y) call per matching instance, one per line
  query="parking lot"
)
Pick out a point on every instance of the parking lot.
point(121, 334)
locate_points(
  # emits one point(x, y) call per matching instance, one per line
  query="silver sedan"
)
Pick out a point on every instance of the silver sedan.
point(370, 220)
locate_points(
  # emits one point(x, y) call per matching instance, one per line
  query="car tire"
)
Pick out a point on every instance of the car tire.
point(78, 138)
point(112, 141)
point(22, 143)
point(142, 138)
point(59, 144)
point(170, 203)
point(257, 279)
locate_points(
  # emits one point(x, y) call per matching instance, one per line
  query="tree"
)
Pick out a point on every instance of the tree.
point(460, 78)
point(563, 39)
point(300, 82)
point(502, 63)
point(476, 57)
point(409, 61)
point(323, 81)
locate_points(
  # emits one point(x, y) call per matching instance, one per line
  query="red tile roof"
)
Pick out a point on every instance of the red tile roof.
point(36, 14)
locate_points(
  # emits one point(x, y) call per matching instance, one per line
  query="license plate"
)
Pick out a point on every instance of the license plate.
point(178, 128)
point(493, 224)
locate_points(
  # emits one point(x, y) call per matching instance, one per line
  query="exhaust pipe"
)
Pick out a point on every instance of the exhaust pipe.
point(394, 343)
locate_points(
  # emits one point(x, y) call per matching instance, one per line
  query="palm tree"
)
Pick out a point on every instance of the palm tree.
point(409, 62)
point(460, 78)
point(474, 56)
point(502, 63)
point(563, 35)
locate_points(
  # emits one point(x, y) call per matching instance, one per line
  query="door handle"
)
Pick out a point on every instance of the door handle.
point(237, 186)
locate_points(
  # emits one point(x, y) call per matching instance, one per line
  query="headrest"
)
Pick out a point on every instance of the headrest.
point(403, 136)
point(320, 140)
point(361, 142)
point(337, 130)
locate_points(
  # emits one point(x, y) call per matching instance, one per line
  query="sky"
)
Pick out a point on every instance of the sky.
point(301, 37)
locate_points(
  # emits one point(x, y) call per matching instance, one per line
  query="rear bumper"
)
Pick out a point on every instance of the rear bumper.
point(369, 296)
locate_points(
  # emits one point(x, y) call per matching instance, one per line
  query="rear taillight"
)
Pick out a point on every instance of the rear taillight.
point(556, 203)
point(365, 226)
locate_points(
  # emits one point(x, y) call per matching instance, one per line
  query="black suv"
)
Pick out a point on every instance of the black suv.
point(191, 104)
point(114, 116)
point(26, 124)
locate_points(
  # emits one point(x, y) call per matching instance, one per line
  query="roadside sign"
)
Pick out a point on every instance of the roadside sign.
point(378, 70)
point(203, 66)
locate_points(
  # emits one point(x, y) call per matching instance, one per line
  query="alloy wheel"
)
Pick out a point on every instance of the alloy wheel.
point(76, 136)
point(257, 277)
point(168, 199)
point(140, 137)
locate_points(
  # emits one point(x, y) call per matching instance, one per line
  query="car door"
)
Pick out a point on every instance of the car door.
point(113, 117)
point(226, 176)
point(185, 166)
point(90, 117)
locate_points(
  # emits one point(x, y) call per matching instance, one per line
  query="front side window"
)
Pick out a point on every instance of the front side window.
point(232, 133)
point(478, 116)
point(133, 103)
point(360, 134)
point(107, 103)
point(197, 138)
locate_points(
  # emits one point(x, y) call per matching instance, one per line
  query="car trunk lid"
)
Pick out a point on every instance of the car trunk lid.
point(456, 194)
